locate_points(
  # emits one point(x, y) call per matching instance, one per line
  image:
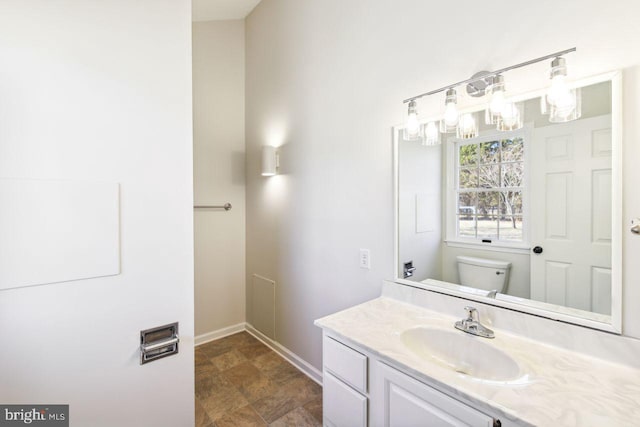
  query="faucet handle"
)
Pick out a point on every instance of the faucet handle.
point(470, 310)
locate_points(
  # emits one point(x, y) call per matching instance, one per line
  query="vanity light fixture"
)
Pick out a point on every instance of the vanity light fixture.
point(562, 104)
point(270, 160)
point(413, 128)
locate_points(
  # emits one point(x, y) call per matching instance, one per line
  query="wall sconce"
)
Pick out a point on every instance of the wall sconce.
point(270, 160)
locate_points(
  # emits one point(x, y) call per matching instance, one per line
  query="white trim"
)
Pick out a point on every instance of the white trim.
point(299, 363)
point(396, 203)
point(616, 200)
point(220, 333)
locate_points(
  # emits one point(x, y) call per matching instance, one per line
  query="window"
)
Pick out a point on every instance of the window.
point(489, 190)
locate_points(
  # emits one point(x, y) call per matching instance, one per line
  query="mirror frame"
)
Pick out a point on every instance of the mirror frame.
point(562, 313)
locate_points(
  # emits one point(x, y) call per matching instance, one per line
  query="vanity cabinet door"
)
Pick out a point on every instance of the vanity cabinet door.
point(407, 402)
point(342, 405)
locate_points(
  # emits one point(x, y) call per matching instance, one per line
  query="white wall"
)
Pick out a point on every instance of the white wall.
point(420, 209)
point(218, 109)
point(327, 80)
point(101, 91)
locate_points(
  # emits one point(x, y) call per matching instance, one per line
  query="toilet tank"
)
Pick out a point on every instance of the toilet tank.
point(481, 273)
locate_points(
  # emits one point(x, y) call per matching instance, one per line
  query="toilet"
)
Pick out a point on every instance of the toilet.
point(486, 274)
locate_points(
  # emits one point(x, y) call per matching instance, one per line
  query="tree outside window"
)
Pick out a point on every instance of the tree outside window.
point(489, 190)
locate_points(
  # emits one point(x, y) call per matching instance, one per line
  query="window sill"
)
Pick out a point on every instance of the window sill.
point(495, 247)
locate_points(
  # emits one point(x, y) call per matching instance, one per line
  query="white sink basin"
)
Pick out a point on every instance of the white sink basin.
point(463, 353)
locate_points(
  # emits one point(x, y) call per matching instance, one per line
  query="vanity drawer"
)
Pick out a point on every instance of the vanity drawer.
point(342, 406)
point(345, 363)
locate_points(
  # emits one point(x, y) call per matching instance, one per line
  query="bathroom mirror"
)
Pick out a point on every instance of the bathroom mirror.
point(528, 219)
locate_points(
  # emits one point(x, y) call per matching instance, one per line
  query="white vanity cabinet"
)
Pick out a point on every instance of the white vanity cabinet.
point(360, 390)
point(344, 385)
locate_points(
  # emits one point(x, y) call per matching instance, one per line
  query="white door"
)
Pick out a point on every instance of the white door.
point(96, 135)
point(571, 215)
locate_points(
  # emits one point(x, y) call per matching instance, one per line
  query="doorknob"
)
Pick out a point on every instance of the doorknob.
point(537, 250)
point(635, 226)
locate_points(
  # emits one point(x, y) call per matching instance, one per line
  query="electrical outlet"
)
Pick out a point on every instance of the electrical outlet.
point(365, 259)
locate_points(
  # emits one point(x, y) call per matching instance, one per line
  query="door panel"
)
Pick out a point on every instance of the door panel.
point(571, 175)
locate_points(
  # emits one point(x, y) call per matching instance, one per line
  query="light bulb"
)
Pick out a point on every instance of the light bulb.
point(559, 95)
point(510, 117)
point(432, 134)
point(467, 122)
point(450, 118)
point(567, 109)
point(497, 102)
point(451, 114)
point(413, 126)
point(467, 127)
point(560, 102)
point(412, 129)
point(509, 113)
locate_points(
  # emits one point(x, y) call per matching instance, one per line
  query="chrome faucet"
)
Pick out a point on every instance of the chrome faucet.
point(474, 327)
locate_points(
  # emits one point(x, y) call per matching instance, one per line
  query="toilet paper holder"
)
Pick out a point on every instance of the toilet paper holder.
point(156, 343)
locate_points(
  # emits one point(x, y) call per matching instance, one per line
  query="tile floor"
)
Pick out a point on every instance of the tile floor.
point(241, 382)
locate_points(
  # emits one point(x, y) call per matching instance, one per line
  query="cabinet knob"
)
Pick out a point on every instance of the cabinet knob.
point(537, 250)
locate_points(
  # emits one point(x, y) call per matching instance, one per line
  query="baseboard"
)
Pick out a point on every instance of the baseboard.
point(220, 333)
point(287, 355)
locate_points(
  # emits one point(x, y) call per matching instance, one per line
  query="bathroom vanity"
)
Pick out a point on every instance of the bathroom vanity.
point(399, 361)
point(356, 379)
point(526, 227)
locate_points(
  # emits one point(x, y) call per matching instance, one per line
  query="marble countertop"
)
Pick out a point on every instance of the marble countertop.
point(559, 387)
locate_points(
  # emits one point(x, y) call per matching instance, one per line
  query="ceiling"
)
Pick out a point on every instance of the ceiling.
point(212, 10)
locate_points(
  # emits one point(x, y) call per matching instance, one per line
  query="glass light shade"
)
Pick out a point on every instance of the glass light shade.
point(467, 126)
point(561, 103)
point(497, 101)
point(511, 117)
point(431, 134)
point(412, 129)
point(570, 109)
point(451, 117)
point(558, 92)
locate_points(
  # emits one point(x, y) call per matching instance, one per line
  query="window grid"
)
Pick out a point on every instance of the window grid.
point(499, 219)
